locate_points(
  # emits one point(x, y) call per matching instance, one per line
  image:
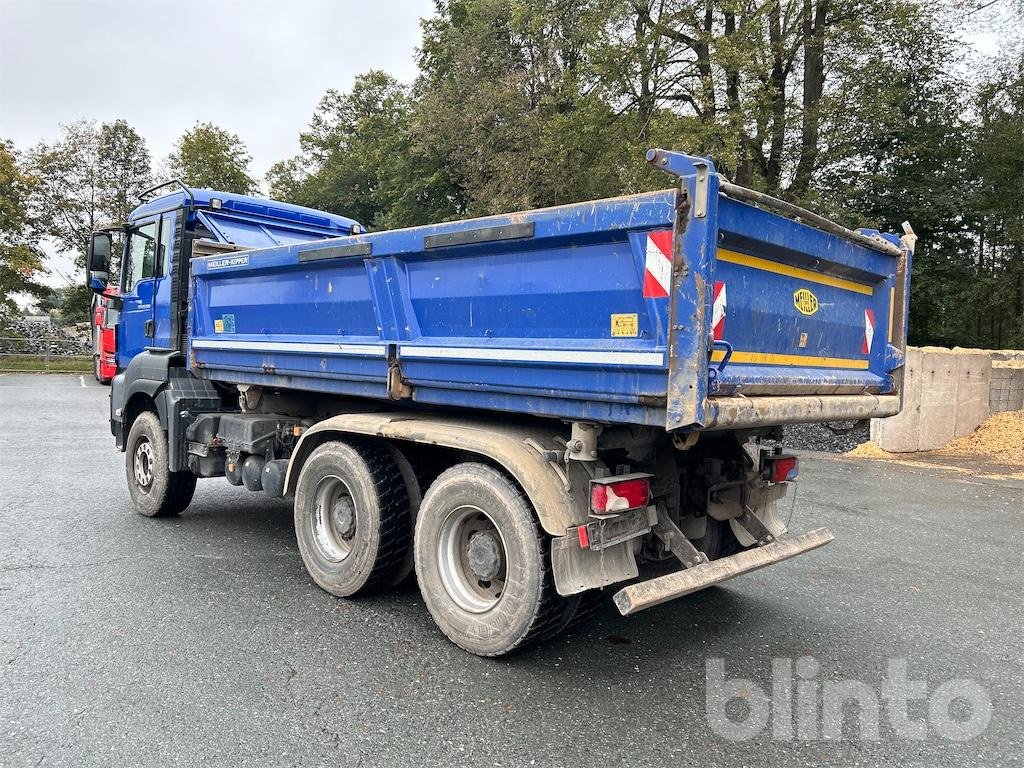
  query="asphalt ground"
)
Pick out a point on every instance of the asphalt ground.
point(201, 640)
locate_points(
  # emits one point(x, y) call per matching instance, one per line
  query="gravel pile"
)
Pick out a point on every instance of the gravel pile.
point(35, 338)
point(816, 437)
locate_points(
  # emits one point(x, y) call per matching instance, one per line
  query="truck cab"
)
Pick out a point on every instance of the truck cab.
point(165, 232)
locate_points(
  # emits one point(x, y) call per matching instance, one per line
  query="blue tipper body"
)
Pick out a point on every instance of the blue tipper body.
point(564, 312)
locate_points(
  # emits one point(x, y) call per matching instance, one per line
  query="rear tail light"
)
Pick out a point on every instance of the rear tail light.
point(621, 493)
point(783, 468)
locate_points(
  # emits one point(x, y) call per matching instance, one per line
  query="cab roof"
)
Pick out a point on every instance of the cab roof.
point(250, 208)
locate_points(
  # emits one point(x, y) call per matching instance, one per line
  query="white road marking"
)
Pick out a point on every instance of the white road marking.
point(81, 380)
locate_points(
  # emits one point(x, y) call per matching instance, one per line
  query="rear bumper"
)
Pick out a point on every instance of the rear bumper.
point(740, 412)
point(648, 594)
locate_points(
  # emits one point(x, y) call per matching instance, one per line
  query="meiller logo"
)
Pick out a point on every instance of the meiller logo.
point(228, 261)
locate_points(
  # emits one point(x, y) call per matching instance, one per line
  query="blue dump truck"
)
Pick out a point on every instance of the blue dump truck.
point(532, 411)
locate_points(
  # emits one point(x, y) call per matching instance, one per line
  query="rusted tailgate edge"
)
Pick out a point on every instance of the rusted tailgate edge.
point(739, 412)
point(647, 594)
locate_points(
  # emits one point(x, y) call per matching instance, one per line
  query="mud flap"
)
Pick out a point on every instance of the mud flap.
point(647, 594)
point(577, 570)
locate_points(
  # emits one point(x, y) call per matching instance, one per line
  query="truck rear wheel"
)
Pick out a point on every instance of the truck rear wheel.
point(412, 489)
point(351, 517)
point(481, 563)
point(155, 490)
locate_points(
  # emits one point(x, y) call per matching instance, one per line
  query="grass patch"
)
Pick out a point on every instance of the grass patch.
point(39, 364)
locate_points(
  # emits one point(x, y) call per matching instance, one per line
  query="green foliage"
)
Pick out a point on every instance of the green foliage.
point(507, 98)
point(998, 207)
point(361, 158)
point(20, 258)
point(123, 169)
point(71, 304)
point(89, 177)
point(850, 107)
point(210, 157)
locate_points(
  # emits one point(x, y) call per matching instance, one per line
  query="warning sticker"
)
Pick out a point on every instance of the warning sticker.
point(225, 324)
point(869, 332)
point(625, 325)
point(658, 265)
point(718, 312)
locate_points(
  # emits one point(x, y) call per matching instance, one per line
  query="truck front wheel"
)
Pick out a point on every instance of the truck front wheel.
point(155, 490)
point(351, 517)
point(481, 563)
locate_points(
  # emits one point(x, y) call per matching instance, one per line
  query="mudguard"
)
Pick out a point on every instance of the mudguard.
point(174, 391)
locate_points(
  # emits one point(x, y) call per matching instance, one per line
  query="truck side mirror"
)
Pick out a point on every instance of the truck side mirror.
point(99, 261)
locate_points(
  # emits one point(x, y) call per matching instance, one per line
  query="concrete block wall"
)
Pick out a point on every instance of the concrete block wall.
point(947, 394)
point(973, 381)
point(1006, 392)
point(901, 433)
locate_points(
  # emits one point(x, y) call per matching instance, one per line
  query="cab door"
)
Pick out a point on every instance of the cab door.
point(163, 301)
point(135, 326)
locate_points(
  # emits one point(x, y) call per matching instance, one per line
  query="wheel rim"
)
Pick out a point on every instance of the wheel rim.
point(472, 557)
point(143, 464)
point(334, 519)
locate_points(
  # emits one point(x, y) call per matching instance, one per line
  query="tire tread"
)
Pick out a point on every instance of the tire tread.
point(180, 486)
point(550, 608)
point(388, 486)
point(394, 513)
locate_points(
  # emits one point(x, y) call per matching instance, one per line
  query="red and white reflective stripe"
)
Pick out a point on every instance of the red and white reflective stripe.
point(658, 265)
point(718, 312)
point(869, 331)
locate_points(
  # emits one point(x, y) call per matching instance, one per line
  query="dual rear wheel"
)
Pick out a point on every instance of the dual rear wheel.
point(352, 517)
point(480, 560)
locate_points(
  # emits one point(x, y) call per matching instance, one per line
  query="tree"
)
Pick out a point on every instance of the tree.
point(557, 99)
point(998, 153)
point(899, 161)
point(89, 177)
point(70, 304)
point(210, 157)
point(759, 85)
point(507, 99)
point(20, 258)
point(123, 168)
point(359, 159)
point(69, 199)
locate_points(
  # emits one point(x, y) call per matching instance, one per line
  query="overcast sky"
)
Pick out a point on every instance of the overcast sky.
point(254, 67)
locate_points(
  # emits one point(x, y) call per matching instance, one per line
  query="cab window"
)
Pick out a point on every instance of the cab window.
point(166, 235)
point(141, 257)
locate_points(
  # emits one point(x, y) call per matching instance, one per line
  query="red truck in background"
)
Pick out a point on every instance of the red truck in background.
point(104, 335)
